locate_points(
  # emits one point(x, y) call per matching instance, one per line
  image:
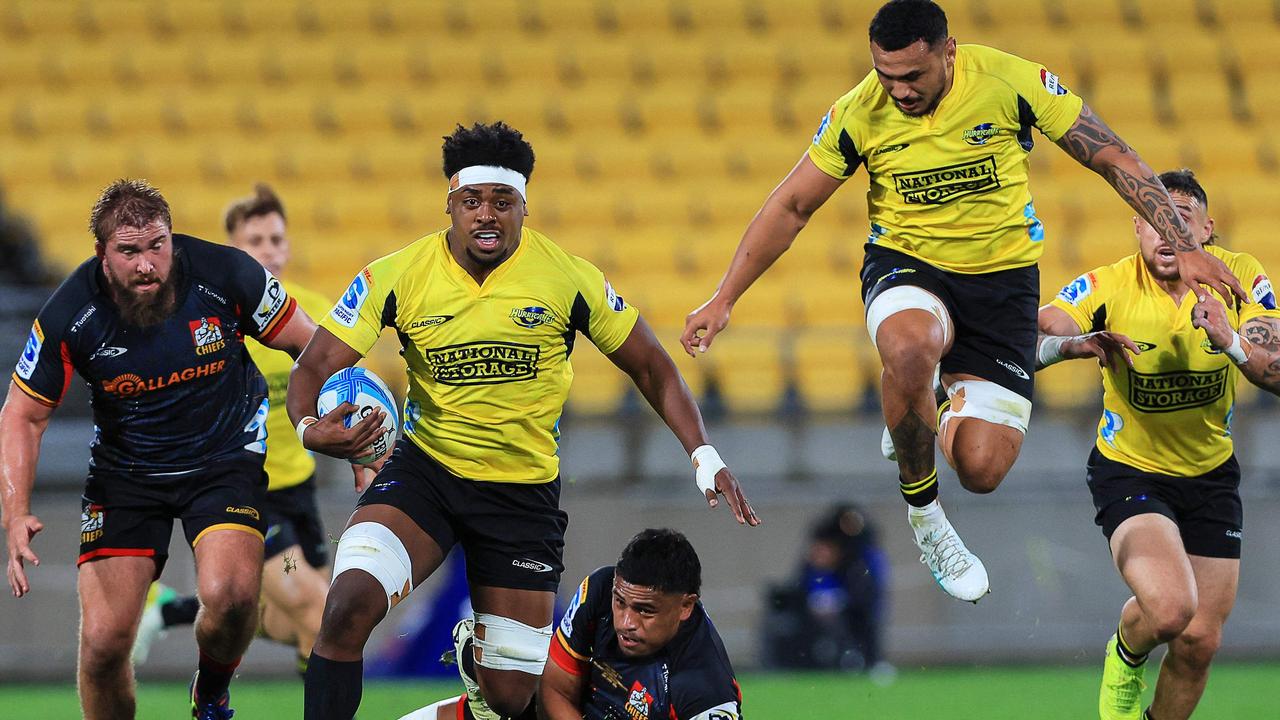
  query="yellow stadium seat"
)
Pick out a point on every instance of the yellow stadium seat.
point(598, 385)
point(1181, 18)
point(1083, 16)
point(1241, 15)
point(1074, 385)
point(749, 369)
point(834, 369)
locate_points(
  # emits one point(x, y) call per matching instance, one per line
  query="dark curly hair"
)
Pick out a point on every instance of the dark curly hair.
point(663, 560)
point(495, 144)
point(899, 23)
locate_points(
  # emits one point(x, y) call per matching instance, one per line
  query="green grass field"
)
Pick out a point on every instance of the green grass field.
point(1043, 693)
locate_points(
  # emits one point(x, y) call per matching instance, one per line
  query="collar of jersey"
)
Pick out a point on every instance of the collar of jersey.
point(464, 278)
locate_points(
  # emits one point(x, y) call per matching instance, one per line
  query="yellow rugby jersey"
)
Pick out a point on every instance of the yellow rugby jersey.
point(488, 364)
point(288, 463)
point(950, 188)
point(1171, 414)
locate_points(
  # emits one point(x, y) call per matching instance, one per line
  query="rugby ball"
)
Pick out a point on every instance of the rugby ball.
point(367, 392)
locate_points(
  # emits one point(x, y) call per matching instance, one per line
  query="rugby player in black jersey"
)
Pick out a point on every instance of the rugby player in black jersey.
point(155, 324)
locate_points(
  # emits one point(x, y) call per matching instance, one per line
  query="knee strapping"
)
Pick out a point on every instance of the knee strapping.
point(373, 548)
point(988, 401)
point(906, 297)
point(511, 645)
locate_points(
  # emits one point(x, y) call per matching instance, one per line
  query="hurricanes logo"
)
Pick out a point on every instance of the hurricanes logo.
point(1166, 392)
point(944, 184)
point(206, 333)
point(91, 518)
point(532, 317)
point(980, 134)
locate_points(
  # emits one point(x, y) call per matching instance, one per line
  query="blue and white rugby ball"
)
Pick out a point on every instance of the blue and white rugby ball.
point(367, 392)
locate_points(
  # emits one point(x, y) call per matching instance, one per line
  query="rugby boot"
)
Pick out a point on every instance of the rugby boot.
point(957, 571)
point(1120, 697)
point(203, 709)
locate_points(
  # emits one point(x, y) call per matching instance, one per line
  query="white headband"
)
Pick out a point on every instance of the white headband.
point(480, 174)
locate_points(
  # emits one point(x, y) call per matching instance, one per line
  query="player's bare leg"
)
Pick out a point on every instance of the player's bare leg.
point(356, 603)
point(1185, 668)
point(911, 342)
point(980, 451)
point(112, 591)
point(228, 580)
point(293, 595)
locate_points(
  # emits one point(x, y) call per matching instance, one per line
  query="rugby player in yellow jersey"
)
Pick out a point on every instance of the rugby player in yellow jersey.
point(487, 313)
point(1163, 473)
point(293, 592)
point(949, 280)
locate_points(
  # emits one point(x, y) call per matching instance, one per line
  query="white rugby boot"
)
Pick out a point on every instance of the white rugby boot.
point(957, 571)
point(463, 637)
point(151, 626)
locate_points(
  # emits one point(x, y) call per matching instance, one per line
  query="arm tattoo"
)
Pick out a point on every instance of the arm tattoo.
point(1095, 146)
point(1264, 334)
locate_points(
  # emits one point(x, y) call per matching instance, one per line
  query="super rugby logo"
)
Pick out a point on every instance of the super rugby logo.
point(1167, 392)
point(131, 385)
point(1052, 83)
point(566, 622)
point(1077, 289)
point(980, 134)
point(944, 184)
point(30, 353)
point(826, 122)
point(483, 363)
point(206, 333)
point(348, 308)
point(615, 301)
point(531, 317)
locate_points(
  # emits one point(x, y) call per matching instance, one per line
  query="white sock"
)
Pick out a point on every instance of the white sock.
point(932, 511)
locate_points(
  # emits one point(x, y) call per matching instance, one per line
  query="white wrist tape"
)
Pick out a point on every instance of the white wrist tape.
point(706, 463)
point(303, 424)
point(1050, 350)
point(1235, 351)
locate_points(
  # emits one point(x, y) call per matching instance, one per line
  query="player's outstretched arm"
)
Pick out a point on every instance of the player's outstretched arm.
point(295, 335)
point(786, 211)
point(1061, 339)
point(324, 355)
point(1255, 349)
point(1095, 146)
point(643, 358)
point(560, 693)
point(22, 423)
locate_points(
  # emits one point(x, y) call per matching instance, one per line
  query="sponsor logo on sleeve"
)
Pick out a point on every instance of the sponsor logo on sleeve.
point(31, 352)
point(1052, 83)
point(826, 122)
point(348, 308)
point(273, 299)
point(615, 301)
point(566, 623)
point(724, 711)
point(1262, 292)
point(1077, 289)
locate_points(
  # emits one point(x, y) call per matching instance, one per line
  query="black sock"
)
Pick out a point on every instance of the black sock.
point(920, 492)
point(214, 677)
point(1128, 656)
point(469, 660)
point(180, 611)
point(333, 688)
point(1146, 715)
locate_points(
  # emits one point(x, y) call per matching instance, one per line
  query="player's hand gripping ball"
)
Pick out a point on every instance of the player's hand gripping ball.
point(368, 393)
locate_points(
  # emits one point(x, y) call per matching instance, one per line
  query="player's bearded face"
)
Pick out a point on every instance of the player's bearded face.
point(138, 265)
point(917, 76)
point(1157, 253)
point(487, 219)
point(646, 619)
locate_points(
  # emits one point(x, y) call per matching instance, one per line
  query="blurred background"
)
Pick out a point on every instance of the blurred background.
point(659, 127)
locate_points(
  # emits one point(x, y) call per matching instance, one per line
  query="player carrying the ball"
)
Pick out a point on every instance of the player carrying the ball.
point(488, 312)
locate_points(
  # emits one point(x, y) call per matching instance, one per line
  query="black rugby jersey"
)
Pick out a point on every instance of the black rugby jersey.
point(173, 397)
point(689, 679)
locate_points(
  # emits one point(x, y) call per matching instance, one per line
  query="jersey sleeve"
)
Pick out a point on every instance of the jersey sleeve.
point(705, 694)
point(1054, 108)
point(833, 149)
point(573, 642)
point(265, 306)
point(1254, 277)
point(599, 311)
point(359, 315)
point(1081, 298)
point(44, 368)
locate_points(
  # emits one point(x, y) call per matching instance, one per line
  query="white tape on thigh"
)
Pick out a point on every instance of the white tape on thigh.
point(906, 297)
point(373, 548)
point(511, 645)
point(988, 401)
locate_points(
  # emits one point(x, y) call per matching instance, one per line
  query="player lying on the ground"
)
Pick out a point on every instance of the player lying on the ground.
point(155, 324)
point(949, 281)
point(635, 642)
point(1163, 474)
point(488, 312)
